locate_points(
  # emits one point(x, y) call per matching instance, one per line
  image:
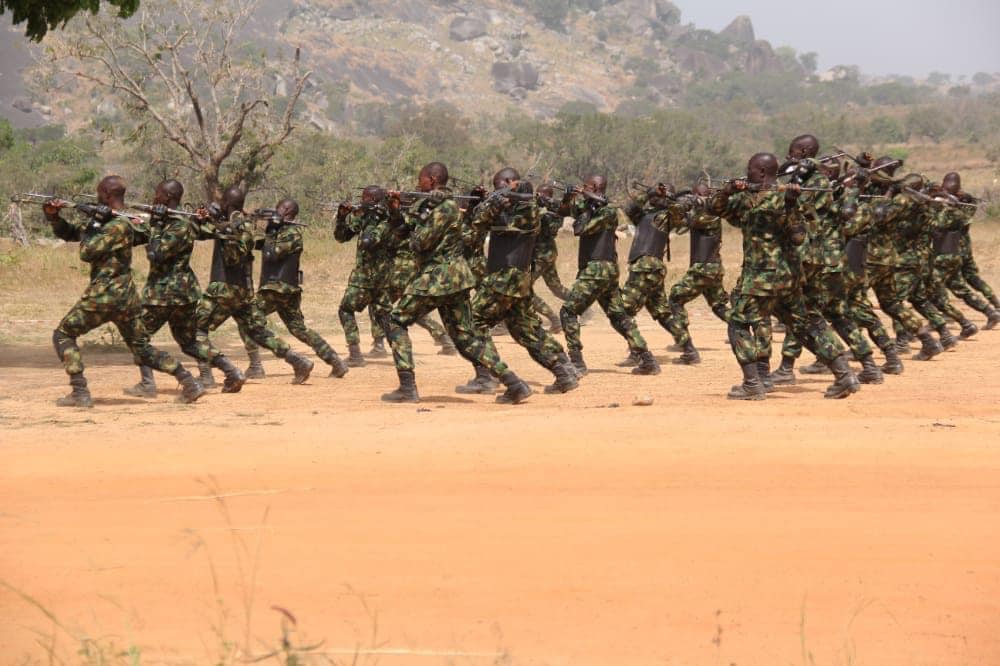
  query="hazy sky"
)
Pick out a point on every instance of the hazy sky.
point(953, 36)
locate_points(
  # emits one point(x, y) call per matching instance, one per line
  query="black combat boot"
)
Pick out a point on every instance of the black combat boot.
point(845, 381)
point(647, 364)
point(517, 391)
point(903, 341)
point(992, 319)
point(576, 357)
point(784, 375)
point(482, 383)
point(815, 368)
point(235, 379)
point(301, 365)
point(191, 388)
point(968, 330)
point(892, 365)
point(948, 341)
point(146, 388)
point(751, 388)
point(564, 359)
point(378, 349)
point(764, 373)
point(355, 358)
point(566, 379)
point(929, 346)
point(256, 369)
point(995, 301)
point(690, 355)
point(80, 395)
point(205, 375)
point(447, 346)
point(407, 391)
point(870, 373)
point(337, 366)
point(630, 361)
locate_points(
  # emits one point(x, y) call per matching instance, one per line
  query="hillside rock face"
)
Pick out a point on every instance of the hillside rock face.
point(486, 57)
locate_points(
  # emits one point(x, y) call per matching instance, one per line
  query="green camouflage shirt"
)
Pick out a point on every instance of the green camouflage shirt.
point(171, 280)
point(107, 248)
point(436, 240)
point(524, 219)
point(283, 243)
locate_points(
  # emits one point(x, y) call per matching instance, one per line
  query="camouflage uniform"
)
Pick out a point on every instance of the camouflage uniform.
point(434, 232)
point(281, 291)
point(950, 262)
point(823, 265)
point(914, 272)
point(403, 269)
point(544, 265)
point(768, 282)
point(230, 292)
point(366, 285)
point(970, 271)
point(504, 294)
point(596, 225)
point(703, 277)
point(111, 296)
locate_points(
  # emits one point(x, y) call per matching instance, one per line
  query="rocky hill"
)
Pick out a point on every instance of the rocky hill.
point(483, 57)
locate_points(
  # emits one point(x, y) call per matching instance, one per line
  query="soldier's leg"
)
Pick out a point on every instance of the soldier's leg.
point(289, 308)
point(920, 298)
point(256, 326)
point(527, 330)
point(77, 321)
point(939, 295)
point(582, 295)
point(355, 299)
point(488, 309)
point(550, 273)
point(128, 320)
point(610, 300)
point(209, 315)
point(682, 292)
point(633, 293)
point(811, 328)
point(860, 309)
point(153, 318)
point(183, 327)
point(970, 271)
point(748, 314)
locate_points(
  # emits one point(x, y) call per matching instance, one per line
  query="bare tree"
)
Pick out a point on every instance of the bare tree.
point(185, 71)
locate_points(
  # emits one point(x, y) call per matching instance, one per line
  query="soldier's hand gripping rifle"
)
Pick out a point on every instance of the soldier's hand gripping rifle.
point(158, 213)
point(940, 198)
point(571, 191)
point(100, 213)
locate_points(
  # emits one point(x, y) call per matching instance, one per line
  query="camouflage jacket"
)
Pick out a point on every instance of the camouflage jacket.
point(522, 221)
point(107, 247)
point(590, 219)
point(881, 248)
point(171, 281)
point(435, 236)
point(235, 242)
point(546, 249)
point(908, 222)
point(825, 244)
point(374, 255)
point(771, 230)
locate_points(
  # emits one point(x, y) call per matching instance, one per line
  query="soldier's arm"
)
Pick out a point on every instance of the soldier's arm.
point(236, 246)
point(67, 231)
point(168, 242)
point(287, 241)
point(347, 227)
point(600, 220)
point(98, 241)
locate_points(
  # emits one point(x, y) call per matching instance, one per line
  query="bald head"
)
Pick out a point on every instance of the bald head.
point(372, 195)
point(889, 171)
point(168, 193)
point(233, 199)
point(432, 177)
point(506, 177)
point(596, 183)
point(952, 183)
point(111, 191)
point(762, 168)
point(803, 146)
point(287, 209)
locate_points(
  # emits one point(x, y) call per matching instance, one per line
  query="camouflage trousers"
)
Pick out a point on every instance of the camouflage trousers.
point(456, 313)
point(647, 289)
point(598, 281)
point(182, 320)
point(289, 309)
point(750, 317)
point(238, 303)
point(380, 309)
point(701, 279)
point(126, 314)
point(825, 295)
point(356, 298)
point(948, 276)
point(547, 271)
point(970, 271)
point(918, 282)
point(862, 312)
point(518, 313)
point(892, 291)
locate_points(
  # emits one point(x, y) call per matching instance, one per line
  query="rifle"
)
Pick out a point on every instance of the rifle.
point(577, 189)
point(89, 209)
point(150, 209)
point(271, 215)
point(777, 187)
point(926, 198)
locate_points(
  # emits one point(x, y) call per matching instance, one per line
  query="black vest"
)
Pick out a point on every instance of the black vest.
point(240, 275)
point(947, 242)
point(284, 269)
point(510, 249)
point(856, 250)
point(705, 247)
point(649, 241)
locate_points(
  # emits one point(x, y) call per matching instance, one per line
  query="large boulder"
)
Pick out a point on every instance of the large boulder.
point(464, 28)
point(740, 31)
point(508, 76)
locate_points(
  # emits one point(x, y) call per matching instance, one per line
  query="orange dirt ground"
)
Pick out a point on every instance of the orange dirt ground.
point(576, 529)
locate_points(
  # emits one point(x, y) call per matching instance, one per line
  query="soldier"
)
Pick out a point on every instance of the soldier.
point(655, 213)
point(953, 251)
point(434, 230)
point(771, 223)
point(369, 224)
point(514, 220)
point(882, 260)
point(703, 277)
point(172, 293)
point(230, 292)
point(596, 223)
point(970, 271)
point(546, 257)
point(106, 241)
point(281, 283)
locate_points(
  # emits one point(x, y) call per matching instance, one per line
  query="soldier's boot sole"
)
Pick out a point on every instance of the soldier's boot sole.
point(892, 368)
point(515, 394)
point(814, 368)
point(140, 391)
point(688, 358)
point(843, 388)
point(781, 377)
point(399, 396)
point(740, 392)
point(968, 330)
point(83, 402)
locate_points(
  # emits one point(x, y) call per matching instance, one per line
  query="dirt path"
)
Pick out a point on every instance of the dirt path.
point(564, 531)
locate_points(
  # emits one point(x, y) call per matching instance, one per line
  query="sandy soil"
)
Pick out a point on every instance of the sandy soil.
point(571, 530)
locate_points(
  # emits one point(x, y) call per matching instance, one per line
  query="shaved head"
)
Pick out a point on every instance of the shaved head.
point(504, 177)
point(111, 190)
point(437, 172)
point(952, 182)
point(288, 208)
point(802, 146)
point(597, 183)
point(233, 199)
point(169, 193)
point(762, 168)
